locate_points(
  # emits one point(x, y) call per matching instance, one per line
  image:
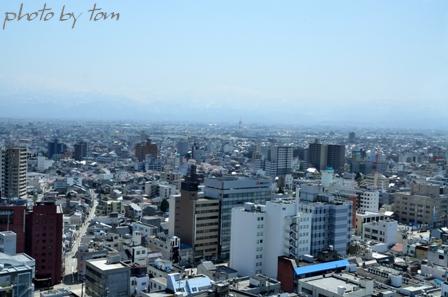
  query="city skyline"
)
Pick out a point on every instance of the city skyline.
point(371, 63)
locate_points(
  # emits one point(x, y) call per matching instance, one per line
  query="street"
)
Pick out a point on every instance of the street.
point(71, 261)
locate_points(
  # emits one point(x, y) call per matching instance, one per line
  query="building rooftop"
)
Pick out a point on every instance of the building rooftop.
point(102, 265)
point(333, 282)
point(189, 285)
point(57, 293)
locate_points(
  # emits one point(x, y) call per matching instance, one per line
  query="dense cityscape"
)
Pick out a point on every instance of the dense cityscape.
point(166, 209)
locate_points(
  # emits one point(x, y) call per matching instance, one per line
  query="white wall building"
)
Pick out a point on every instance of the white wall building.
point(382, 231)
point(367, 217)
point(166, 190)
point(369, 201)
point(247, 239)
point(139, 284)
point(275, 224)
point(139, 255)
point(263, 233)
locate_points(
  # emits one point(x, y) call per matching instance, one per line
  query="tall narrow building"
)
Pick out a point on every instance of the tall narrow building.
point(196, 220)
point(331, 223)
point(317, 155)
point(336, 157)
point(80, 151)
point(56, 148)
point(279, 161)
point(13, 172)
point(44, 228)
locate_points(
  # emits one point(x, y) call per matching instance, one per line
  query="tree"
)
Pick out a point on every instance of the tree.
point(165, 205)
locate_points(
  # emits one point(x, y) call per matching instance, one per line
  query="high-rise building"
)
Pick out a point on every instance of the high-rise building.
point(197, 152)
point(262, 233)
point(44, 227)
point(279, 161)
point(336, 157)
point(234, 191)
point(247, 239)
point(352, 137)
point(80, 150)
point(56, 148)
point(331, 224)
point(369, 200)
point(146, 148)
point(182, 147)
point(196, 220)
point(287, 232)
point(317, 155)
point(13, 172)
point(322, 156)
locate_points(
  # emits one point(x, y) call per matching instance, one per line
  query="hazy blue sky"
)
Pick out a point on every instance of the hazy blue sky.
point(291, 61)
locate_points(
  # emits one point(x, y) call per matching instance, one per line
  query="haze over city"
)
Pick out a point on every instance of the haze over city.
point(338, 62)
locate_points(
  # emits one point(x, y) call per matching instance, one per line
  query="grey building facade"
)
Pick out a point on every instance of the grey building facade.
point(107, 278)
point(233, 191)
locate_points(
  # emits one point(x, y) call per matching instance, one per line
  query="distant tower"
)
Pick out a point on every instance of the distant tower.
point(80, 151)
point(336, 157)
point(240, 124)
point(146, 148)
point(317, 155)
point(351, 137)
point(56, 148)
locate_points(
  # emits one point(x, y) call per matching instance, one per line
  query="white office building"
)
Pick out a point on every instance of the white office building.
point(369, 201)
point(384, 231)
point(166, 190)
point(367, 217)
point(278, 230)
point(260, 234)
point(247, 239)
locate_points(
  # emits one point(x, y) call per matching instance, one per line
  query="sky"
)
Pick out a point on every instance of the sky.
point(374, 63)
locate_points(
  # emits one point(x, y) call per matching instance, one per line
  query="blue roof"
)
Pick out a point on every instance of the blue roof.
point(302, 270)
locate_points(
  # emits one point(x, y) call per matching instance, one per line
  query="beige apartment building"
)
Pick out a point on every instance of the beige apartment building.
point(425, 204)
point(13, 170)
point(196, 220)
